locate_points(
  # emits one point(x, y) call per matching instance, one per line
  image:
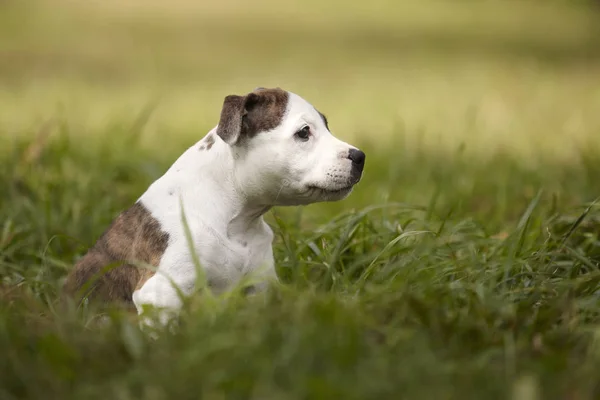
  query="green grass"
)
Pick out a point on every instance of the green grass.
point(466, 264)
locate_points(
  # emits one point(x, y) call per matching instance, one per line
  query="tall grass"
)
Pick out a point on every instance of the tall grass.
point(464, 265)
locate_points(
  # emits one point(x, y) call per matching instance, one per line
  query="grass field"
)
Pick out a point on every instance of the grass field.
point(466, 264)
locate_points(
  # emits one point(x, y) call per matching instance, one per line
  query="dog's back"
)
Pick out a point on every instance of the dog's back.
point(134, 236)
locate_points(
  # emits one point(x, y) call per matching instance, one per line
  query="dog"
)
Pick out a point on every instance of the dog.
point(270, 148)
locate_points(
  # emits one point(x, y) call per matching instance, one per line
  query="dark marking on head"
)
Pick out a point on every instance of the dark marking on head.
point(135, 236)
point(210, 140)
point(171, 192)
point(324, 118)
point(207, 143)
point(242, 117)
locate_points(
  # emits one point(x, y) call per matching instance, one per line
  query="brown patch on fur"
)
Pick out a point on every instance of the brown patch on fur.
point(144, 274)
point(245, 116)
point(266, 108)
point(207, 143)
point(133, 237)
point(210, 140)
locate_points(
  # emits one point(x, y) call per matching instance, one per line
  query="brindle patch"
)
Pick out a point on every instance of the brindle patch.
point(246, 116)
point(133, 237)
point(207, 143)
point(144, 275)
point(266, 109)
point(210, 140)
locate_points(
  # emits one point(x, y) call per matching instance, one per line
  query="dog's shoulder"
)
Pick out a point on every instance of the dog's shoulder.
point(134, 236)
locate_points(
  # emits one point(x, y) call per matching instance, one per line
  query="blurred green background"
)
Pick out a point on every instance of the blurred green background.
point(513, 76)
point(464, 264)
point(474, 80)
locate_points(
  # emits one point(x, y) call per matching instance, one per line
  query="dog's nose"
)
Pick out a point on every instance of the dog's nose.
point(357, 157)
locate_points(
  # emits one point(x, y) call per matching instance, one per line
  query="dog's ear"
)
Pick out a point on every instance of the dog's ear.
point(258, 111)
point(235, 108)
point(230, 123)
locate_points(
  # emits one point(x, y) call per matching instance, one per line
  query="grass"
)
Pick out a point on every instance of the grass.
point(464, 265)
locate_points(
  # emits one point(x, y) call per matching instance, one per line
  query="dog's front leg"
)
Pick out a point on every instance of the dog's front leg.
point(164, 295)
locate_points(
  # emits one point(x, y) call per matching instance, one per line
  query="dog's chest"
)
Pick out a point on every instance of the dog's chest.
point(227, 259)
point(224, 255)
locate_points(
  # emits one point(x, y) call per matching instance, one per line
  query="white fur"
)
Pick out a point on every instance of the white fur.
point(226, 190)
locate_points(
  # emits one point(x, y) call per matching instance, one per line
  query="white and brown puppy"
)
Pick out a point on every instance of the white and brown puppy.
point(270, 148)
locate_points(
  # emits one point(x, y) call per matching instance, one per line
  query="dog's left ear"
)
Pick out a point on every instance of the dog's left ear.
point(258, 111)
point(235, 108)
point(230, 123)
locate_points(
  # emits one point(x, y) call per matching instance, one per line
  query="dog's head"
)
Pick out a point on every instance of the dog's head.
point(283, 151)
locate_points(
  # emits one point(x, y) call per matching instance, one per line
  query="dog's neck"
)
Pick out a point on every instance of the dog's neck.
point(245, 220)
point(239, 214)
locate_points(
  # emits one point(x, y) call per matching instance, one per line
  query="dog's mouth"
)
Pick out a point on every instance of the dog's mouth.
point(341, 190)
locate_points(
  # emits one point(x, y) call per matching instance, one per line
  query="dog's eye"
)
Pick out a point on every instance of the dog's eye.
point(303, 133)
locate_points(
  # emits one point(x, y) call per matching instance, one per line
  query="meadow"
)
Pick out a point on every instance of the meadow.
point(465, 264)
